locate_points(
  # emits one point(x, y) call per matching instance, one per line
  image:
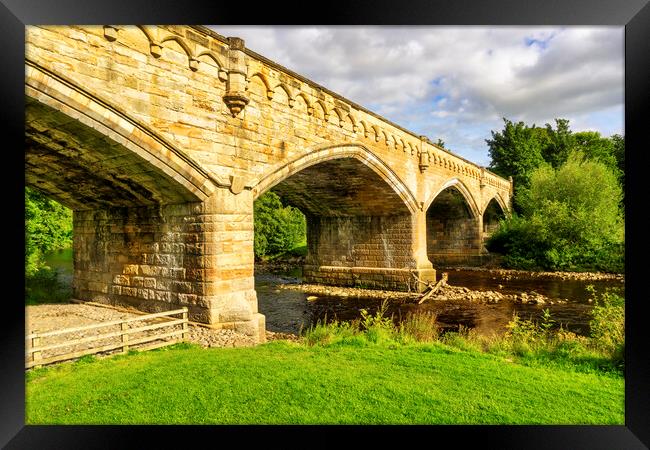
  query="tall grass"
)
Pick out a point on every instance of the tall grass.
point(528, 341)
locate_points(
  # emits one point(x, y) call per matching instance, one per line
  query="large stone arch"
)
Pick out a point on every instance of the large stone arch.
point(361, 218)
point(140, 234)
point(323, 154)
point(87, 140)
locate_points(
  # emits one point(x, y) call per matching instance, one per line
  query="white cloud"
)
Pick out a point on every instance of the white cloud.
point(458, 82)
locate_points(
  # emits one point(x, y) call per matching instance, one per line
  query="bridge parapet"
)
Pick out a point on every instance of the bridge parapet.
point(320, 102)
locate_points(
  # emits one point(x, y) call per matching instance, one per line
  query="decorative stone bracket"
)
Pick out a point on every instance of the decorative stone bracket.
point(424, 154)
point(235, 97)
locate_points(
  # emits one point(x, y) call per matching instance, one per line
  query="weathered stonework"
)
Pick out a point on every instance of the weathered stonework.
point(156, 259)
point(161, 137)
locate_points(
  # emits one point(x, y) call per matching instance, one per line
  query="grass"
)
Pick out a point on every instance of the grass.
point(358, 382)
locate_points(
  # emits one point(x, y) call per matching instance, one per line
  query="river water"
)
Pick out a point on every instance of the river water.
point(289, 311)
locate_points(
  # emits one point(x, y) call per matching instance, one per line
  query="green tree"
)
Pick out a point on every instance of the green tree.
point(570, 219)
point(558, 143)
point(48, 227)
point(516, 151)
point(618, 143)
point(278, 228)
point(598, 148)
point(519, 149)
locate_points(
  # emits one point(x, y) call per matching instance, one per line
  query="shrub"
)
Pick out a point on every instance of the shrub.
point(324, 333)
point(44, 286)
point(377, 327)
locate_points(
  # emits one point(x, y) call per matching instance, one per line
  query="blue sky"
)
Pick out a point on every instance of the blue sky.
point(456, 83)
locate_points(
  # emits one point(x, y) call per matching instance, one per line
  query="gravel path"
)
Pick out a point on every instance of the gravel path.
point(52, 317)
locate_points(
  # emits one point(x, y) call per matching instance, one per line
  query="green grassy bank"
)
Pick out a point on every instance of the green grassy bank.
point(289, 383)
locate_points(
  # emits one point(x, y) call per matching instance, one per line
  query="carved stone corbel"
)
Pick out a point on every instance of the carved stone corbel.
point(424, 154)
point(235, 97)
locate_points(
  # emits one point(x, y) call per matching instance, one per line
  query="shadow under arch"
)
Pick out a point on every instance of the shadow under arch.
point(462, 189)
point(493, 213)
point(453, 226)
point(502, 204)
point(123, 156)
point(356, 151)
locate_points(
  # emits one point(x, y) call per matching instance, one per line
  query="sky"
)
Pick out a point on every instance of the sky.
point(458, 83)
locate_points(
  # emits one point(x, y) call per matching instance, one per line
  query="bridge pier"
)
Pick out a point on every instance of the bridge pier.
point(196, 254)
point(379, 252)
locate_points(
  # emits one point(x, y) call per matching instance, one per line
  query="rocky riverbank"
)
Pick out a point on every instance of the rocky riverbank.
point(508, 274)
point(446, 292)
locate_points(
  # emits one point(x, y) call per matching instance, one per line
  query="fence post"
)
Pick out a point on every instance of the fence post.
point(125, 338)
point(36, 341)
point(185, 331)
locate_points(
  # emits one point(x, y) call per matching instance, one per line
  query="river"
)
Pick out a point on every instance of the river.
point(290, 311)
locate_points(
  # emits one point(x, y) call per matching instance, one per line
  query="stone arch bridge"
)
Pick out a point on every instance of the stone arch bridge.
point(160, 138)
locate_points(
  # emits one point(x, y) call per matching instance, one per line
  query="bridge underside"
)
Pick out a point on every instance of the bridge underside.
point(359, 230)
point(61, 152)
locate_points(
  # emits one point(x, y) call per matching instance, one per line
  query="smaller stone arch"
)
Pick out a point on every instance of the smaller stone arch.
point(213, 57)
point(377, 132)
point(305, 98)
point(387, 138)
point(494, 211)
point(353, 121)
point(323, 106)
point(193, 62)
point(147, 34)
point(453, 225)
point(365, 127)
point(465, 192)
point(341, 115)
point(500, 201)
point(288, 91)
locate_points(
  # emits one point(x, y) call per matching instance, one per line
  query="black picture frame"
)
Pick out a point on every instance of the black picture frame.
point(633, 14)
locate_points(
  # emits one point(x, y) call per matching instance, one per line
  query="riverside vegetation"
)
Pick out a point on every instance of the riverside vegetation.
point(568, 202)
point(369, 371)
